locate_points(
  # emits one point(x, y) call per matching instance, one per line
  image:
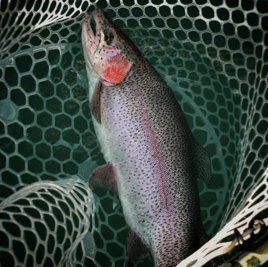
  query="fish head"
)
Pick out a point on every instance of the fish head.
point(108, 50)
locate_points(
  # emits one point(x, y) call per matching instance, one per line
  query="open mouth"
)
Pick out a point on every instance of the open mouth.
point(93, 26)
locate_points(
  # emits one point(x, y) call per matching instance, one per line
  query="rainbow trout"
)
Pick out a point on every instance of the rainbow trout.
point(153, 158)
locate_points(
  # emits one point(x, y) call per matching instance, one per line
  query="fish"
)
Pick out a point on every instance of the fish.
point(153, 160)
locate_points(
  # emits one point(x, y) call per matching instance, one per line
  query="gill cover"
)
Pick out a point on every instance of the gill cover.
point(116, 66)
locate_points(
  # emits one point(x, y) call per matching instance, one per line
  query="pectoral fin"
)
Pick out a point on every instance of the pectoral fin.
point(104, 177)
point(202, 162)
point(135, 248)
point(95, 102)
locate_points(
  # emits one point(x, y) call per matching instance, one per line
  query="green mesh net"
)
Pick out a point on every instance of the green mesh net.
point(213, 54)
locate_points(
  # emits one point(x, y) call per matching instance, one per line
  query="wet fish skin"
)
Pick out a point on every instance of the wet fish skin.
point(151, 151)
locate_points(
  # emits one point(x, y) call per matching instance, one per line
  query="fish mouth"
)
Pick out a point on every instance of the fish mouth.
point(93, 26)
point(91, 36)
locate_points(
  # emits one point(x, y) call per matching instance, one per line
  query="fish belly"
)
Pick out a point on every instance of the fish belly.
point(124, 142)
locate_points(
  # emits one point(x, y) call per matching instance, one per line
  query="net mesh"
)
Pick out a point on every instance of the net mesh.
point(43, 223)
point(213, 54)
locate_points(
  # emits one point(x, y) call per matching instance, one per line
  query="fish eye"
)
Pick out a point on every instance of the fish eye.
point(108, 37)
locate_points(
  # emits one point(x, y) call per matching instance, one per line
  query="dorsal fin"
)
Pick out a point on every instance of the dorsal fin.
point(202, 162)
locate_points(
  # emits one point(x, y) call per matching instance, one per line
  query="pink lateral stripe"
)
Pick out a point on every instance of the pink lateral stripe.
point(159, 166)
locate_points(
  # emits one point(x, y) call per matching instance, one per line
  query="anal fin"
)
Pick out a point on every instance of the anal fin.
point(136, 250)
point(202, 163)
point(95, 102)
point(104, 177)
